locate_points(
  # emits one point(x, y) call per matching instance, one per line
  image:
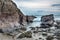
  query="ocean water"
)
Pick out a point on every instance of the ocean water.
point(37, 22)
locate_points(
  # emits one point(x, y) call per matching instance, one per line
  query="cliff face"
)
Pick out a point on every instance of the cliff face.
point(9, 15)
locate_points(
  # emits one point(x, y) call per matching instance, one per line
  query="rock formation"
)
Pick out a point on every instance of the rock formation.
point(47, 21)
point(57, 34)
point(57, 24)
point(11, 17)
point(29, 19)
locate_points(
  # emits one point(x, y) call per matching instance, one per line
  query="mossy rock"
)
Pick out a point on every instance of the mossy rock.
point(27, 35)
point(22, 35)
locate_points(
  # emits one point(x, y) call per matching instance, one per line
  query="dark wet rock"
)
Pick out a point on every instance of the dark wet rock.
point(27, 34)
point(49, 38)
point(35, 31)
point(57, 24)
point(26, 19)
point(29, 19)
point(23, 28)
point(57, 34)
point(1, 31)
point(47, 21)
point(46, 18)
point(44, 34)
point(32, 28)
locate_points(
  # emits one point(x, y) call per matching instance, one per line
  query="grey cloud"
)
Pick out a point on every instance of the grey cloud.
point(55, 5)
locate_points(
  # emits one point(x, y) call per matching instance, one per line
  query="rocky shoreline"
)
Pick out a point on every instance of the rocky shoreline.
point(11, 18)
point(13, 24)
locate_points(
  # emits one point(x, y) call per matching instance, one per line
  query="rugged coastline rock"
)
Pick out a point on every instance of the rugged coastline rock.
point(29, 19)
point(11, 17)
point(57, 24)
point(47, 21)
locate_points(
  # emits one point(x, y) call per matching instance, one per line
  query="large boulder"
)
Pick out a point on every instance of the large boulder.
point(47, 21)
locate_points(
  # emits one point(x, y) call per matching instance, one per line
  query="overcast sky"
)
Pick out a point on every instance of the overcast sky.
point(39, 7)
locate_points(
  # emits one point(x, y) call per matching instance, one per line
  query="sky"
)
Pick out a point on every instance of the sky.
point(38, 7)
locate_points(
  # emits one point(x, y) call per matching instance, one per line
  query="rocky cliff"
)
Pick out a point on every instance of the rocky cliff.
point(10, 16)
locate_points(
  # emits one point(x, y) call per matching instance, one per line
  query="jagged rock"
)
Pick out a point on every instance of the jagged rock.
point(47, 21)
point(29, 19)
point(10, 17)
point(57, 24)
point(26, 19)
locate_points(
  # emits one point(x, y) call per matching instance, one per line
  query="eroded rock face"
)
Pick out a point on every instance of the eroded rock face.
point(9, 15)
point(47, 21)
point(26, 19)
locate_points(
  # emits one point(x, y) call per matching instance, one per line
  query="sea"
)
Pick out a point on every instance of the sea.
point(37, 21)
